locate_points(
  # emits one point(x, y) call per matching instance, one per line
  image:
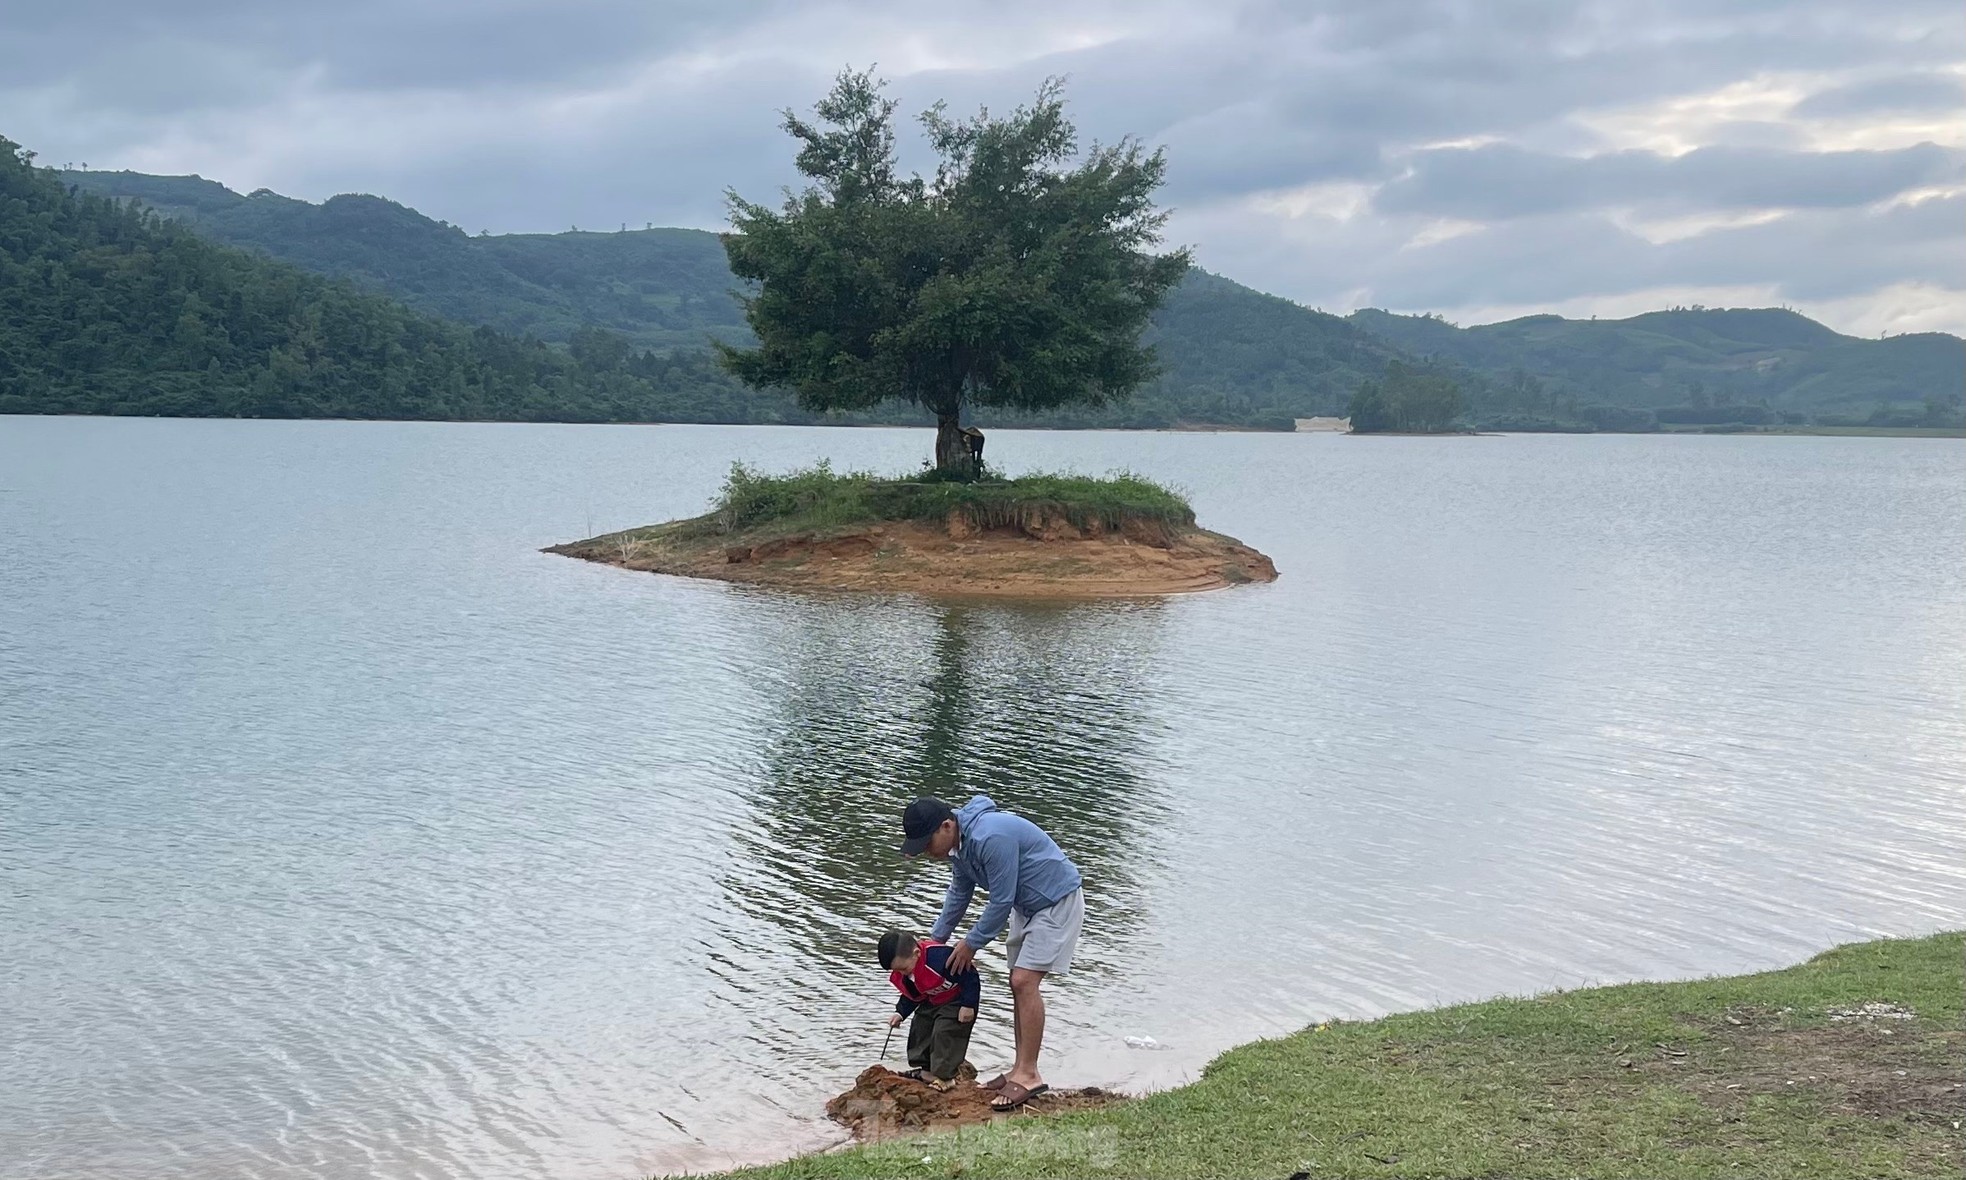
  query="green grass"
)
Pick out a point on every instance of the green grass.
point(1739, 1077)
point(818, 498)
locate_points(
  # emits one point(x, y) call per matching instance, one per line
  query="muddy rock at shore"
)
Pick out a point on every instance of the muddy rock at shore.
point(883, 1104)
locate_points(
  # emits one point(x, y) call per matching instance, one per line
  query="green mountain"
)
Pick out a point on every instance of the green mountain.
point(659, 287)
point(1230, 355)
point(1691, 357)
point(106, 308)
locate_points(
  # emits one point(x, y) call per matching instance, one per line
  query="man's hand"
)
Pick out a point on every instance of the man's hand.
point(960, 958)
point(893, 1018)
point(965, 1015)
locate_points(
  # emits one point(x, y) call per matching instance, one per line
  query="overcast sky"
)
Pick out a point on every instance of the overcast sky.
point(1479, 158)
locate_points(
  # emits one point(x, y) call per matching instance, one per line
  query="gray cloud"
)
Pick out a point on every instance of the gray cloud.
point(365, 44)
point(1499, 181)
point(1564, 257)
point(1757, 133)
point(1516, 115)
point(1909, 93)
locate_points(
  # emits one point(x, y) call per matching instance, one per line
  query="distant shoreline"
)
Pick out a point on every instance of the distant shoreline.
point(1821, 431)
point(1183, 428)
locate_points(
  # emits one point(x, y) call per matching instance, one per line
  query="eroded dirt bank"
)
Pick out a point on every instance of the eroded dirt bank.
point(1045, 558)
point(883, 1104)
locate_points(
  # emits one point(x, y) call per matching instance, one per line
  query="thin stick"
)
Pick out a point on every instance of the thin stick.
point(886, 1043)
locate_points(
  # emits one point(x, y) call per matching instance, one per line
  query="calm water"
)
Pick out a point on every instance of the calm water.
point(342, 834)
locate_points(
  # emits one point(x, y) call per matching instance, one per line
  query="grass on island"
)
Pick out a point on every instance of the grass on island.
point(817, 499)
point(1811, 1071)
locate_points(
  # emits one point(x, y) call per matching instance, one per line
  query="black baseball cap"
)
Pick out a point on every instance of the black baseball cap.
point(890, 948)
point(919, 822)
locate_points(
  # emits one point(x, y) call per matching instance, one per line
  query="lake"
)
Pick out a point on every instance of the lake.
point(343, 834)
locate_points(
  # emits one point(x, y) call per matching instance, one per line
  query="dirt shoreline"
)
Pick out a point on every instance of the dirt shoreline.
point(883, 1104)
point(1047, 558)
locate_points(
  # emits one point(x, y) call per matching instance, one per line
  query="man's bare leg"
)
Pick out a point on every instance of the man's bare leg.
point(1027, 1025)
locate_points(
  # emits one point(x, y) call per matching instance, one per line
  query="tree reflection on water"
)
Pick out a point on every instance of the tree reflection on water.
point(872, 702)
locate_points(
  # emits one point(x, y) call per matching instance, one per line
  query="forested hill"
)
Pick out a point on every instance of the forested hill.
point(1690, 356)
point(1230, 355)
point(658, 287)
point(107, 308)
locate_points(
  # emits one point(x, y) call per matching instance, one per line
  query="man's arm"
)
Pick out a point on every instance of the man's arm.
point(955, 903)
point(1000, 878)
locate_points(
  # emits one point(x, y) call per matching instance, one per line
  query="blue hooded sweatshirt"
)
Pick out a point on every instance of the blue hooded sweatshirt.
point(1010, 857)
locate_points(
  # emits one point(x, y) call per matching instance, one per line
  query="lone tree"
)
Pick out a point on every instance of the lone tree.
point(1009, 278)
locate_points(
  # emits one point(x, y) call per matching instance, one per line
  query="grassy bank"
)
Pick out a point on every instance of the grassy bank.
point(819, 498)
point(1812, 1071)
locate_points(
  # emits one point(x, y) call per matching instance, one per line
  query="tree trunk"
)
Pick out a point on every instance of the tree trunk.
point(950, 453)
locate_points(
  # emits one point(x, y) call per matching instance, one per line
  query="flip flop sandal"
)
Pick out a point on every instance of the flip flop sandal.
point(1014, 1095)
point(995, 1083)
point(917, 1074)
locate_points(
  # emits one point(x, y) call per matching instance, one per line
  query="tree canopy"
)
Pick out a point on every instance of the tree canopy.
point(1010, 278)
point(1419, 400)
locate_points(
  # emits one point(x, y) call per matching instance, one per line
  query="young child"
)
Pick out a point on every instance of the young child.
point(944, 1007)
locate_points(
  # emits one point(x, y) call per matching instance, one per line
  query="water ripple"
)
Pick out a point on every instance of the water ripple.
point(343, 834)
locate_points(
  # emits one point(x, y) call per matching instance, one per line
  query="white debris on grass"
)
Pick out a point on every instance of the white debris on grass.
point(1873, 1010)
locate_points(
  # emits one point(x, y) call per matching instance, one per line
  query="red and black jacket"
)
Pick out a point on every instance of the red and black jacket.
point(931, 984)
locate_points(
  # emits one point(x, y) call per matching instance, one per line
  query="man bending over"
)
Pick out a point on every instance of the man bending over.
point(1034, 889)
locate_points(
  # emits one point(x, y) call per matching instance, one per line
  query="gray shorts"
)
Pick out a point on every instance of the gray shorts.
point(1044, 941)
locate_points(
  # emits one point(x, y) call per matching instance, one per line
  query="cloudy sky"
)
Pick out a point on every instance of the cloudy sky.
point(1480, 158)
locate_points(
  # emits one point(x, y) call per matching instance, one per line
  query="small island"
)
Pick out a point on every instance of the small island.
point(1011, 278)
point(1038, 536)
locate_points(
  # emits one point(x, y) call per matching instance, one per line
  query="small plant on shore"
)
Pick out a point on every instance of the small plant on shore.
point(816, 495)
point(627, 546)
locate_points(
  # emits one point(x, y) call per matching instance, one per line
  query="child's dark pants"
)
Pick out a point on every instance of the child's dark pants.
point(937, 1041)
